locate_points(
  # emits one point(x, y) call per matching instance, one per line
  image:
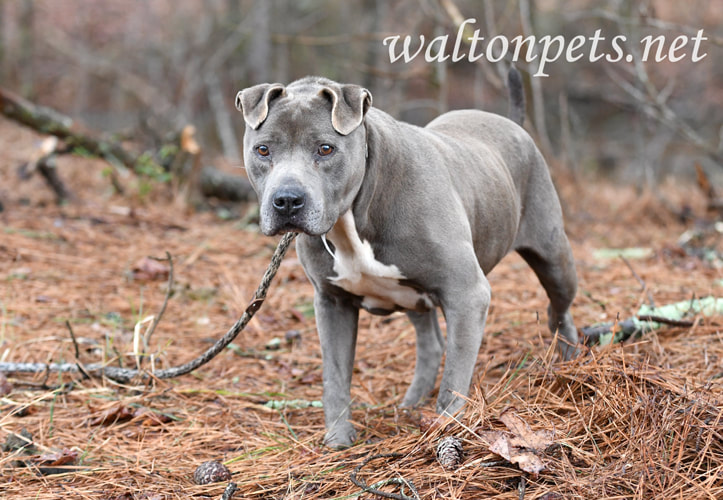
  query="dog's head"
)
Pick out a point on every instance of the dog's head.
point(304, 151)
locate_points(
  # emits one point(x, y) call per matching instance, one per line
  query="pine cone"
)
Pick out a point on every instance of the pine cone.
point(449, 452)
point(211, 472)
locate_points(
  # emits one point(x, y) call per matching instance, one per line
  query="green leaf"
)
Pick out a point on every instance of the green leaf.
point(628, 253)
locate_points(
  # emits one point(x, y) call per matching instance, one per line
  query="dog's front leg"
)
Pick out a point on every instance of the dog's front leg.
point(465, 308)
point(336, 321)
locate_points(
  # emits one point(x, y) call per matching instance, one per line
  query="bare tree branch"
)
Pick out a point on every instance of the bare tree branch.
point(644, 21)
point(133, 84)
point(537, 95)
point(220, 107)
point(653, 103)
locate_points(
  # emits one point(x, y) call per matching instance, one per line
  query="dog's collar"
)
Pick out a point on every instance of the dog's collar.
point(366, 142)
point(326, 245)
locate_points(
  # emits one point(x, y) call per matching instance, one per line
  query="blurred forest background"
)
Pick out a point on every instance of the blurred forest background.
point(143, 70)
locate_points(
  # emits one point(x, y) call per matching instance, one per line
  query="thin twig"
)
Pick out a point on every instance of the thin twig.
point(665, 321)
point(493, 463)
point(169, 291)
point(124, 375)
point(521, 487)
point(80, 366)
point(373, 489)
point(229, 492)
point(640, 280)
point(654, 22)
point(72, 337)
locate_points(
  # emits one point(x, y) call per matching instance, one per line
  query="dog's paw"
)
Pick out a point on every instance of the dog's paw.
point(448, 403)
point(568, 352)
point(341, 436)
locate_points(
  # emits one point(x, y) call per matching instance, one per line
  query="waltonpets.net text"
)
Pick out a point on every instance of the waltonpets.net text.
point(547, 48)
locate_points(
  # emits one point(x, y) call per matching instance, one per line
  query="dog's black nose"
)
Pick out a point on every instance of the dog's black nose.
point(288, 202)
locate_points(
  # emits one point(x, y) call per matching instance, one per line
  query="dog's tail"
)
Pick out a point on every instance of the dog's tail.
point(516, 112)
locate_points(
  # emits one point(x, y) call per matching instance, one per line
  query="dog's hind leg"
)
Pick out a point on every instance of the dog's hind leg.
point(557, 275)
point(430, 346)
point(543, 244)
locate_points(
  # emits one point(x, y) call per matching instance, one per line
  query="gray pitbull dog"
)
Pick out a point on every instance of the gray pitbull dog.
point(398, 217)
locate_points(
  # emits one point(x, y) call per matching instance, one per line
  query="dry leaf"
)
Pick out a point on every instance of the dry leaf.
point(5, 386)
point(148, 417)
point(148, 269)
point(522, 445)
point(526, 437)
point(56, 459)
point(113, 415)
point(430, 421)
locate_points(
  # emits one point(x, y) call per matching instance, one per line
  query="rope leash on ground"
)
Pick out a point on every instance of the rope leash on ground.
point(124, 375)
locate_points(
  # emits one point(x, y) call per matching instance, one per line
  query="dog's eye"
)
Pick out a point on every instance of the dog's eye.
point(325, 150)
point(263, 150)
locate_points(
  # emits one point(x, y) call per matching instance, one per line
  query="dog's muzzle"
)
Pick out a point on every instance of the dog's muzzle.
point(288, 210)
point(288, 202)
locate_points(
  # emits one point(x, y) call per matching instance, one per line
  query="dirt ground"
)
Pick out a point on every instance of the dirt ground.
point(643, 420)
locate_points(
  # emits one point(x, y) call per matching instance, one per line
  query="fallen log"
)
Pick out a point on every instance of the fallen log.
point(183, 164)
point(48, 121)
point(217, 184)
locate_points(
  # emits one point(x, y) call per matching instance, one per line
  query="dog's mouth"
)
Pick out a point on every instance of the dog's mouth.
point(291, 227)
point(309, 222)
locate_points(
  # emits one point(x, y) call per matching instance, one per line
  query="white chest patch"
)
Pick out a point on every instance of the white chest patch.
point(358, 272)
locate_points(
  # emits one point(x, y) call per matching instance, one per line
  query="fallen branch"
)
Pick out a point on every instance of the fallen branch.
point(225, 187)
point(124, 375)
point(43, 161)
point(649, 319)
point(184, 164)
point(49, 121)
point(665, 321)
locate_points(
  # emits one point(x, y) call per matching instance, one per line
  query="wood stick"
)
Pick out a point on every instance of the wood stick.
point(665, 321)
point(124, 375)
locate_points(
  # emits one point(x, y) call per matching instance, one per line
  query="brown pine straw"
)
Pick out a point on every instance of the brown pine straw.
point(625, 428)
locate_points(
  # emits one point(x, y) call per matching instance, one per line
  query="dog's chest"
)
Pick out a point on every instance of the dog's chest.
point(358, 272)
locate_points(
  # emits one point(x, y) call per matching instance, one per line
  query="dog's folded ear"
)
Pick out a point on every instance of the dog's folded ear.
point(254, 101)
point(349, 104)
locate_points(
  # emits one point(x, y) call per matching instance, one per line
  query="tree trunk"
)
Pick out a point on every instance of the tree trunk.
point(225, 186)
point(3, 42)
point(260, 60)
point(224, 125)
point(27, 48)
